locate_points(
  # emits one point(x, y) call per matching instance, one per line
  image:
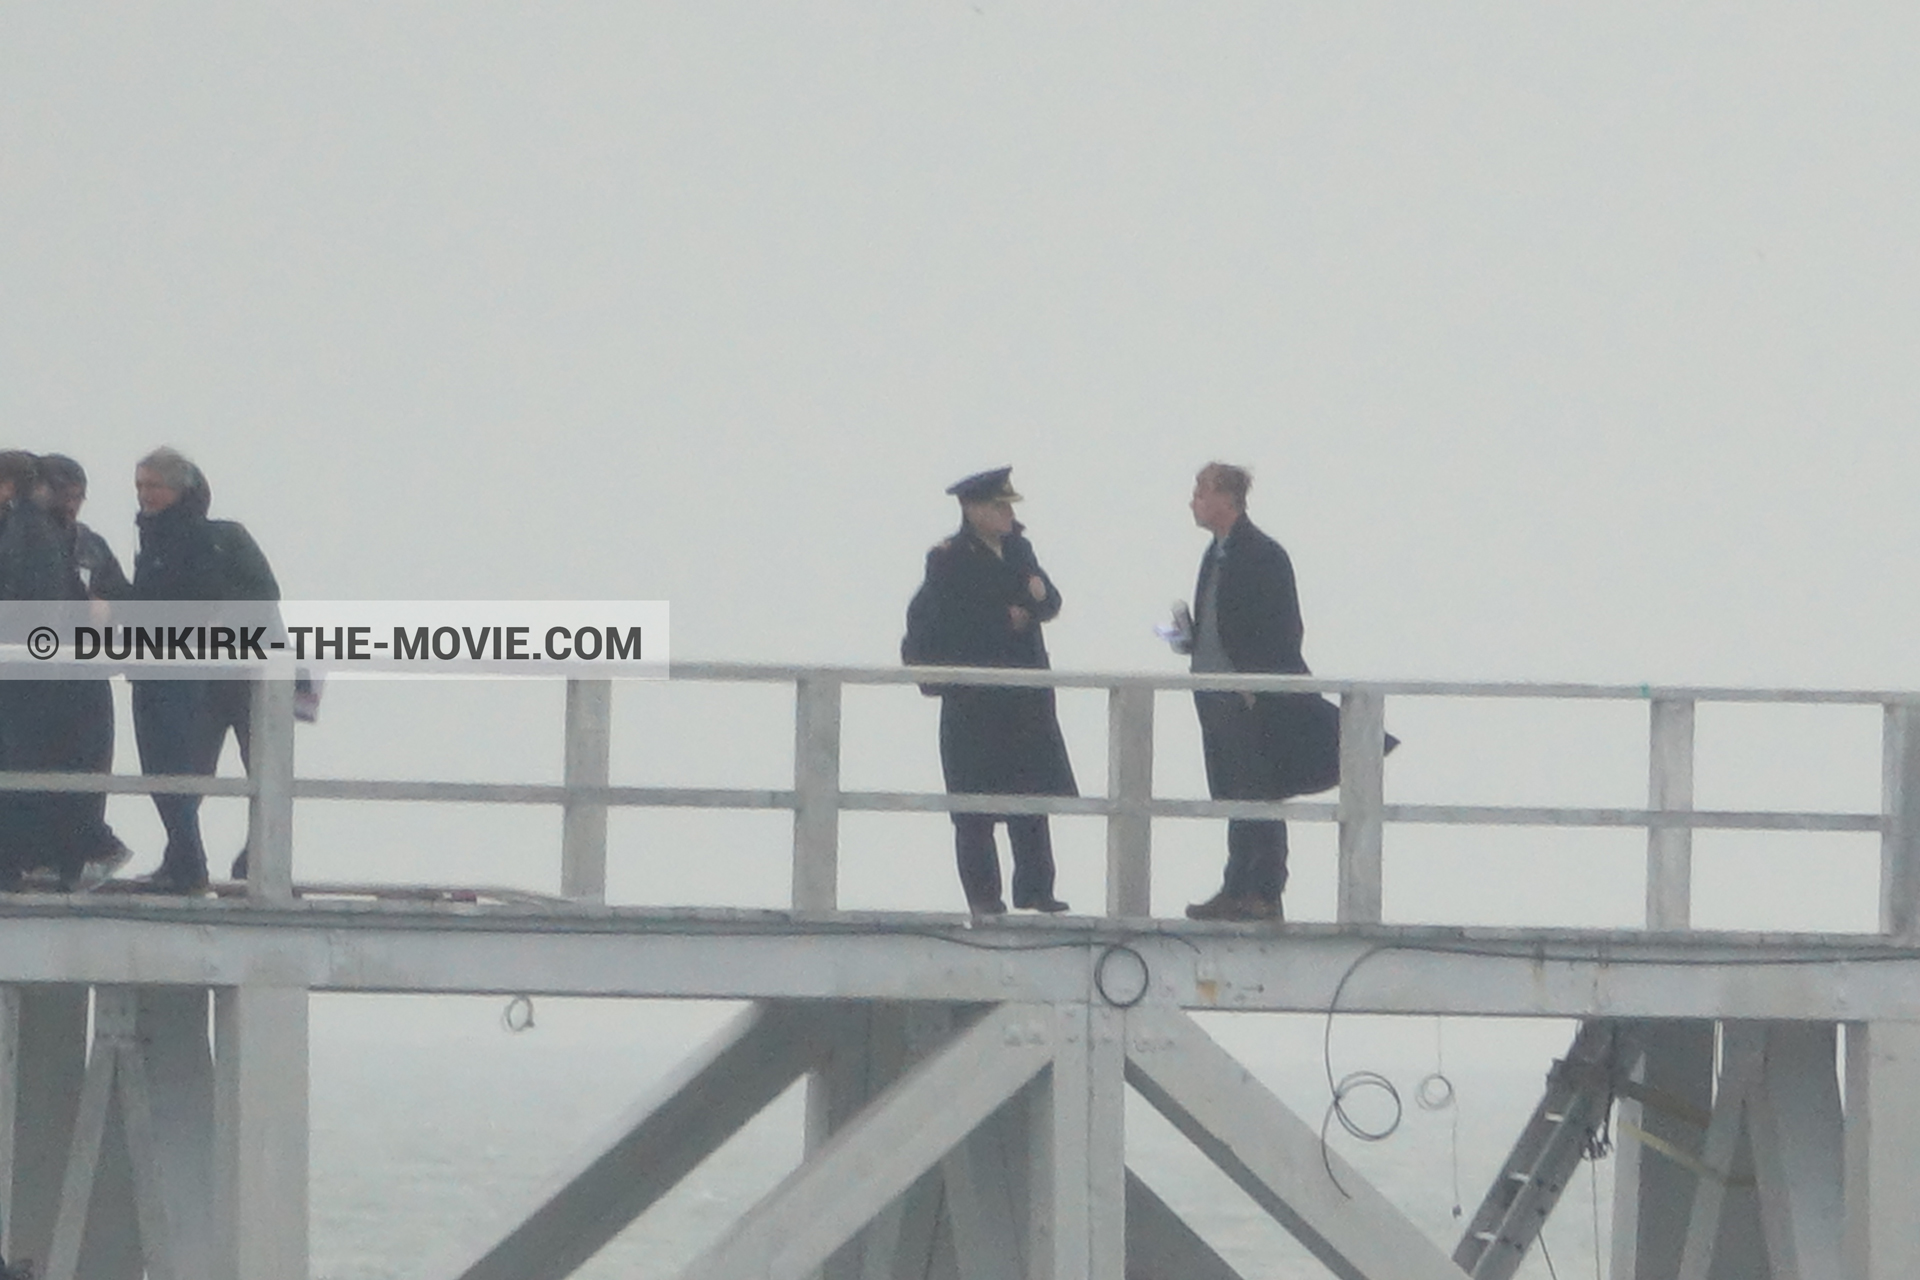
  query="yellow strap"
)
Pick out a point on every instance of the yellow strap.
point(1685, 1159)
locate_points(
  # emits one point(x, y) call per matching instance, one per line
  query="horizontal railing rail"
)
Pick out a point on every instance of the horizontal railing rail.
point(586, 795)
point(753, 673)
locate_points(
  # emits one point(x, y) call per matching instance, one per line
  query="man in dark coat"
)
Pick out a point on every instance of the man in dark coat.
point(982, 605)
point(88, 554)
point(31, 568)
point(1246, 618)
point(92, 572)
point(181, 725)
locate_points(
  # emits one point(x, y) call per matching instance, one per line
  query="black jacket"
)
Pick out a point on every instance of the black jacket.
point(94, 566)
point(185, 556)
point(993, 741)
point(959, 618)
point(176, 560)
point(1260, 628)
point(1259, 607)
point(33, 563)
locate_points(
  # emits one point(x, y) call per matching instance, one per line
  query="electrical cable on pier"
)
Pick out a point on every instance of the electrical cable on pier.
point(518, 1015)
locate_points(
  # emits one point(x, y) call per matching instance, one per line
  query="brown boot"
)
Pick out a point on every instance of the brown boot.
point(1221, 906)
point(1262, 909)
point(1226, 906)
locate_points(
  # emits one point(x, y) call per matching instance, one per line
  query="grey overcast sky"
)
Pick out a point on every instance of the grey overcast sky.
point(1566, 342)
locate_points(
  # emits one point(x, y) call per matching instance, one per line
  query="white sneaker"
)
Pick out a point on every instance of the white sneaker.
point(98, 871)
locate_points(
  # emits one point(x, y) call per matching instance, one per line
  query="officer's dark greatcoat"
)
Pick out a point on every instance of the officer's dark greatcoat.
point(993, 741)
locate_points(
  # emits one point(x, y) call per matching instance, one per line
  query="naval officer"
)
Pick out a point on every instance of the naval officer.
point(982, 604)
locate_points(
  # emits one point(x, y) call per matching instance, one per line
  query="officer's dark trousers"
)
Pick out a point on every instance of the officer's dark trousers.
point(979, 860)
point(180, 726)
point(1239, 767)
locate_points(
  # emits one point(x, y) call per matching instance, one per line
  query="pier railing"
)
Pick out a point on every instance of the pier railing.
point(1360, 809)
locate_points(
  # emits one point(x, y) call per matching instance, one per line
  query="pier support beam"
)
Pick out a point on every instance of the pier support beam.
point(260, 1175)
point(989, 1180)
point(1078, 1114)
point(1652, 1190)
point(870, 1047)
point(912, 1238)
point(1160, 1243)
point(1882, 1137)
point(656, 1143)
point(43, 1059)
point(111, 1222)
point(912, 1125)
point(178, 1056)
point(1767, 1199)
point(1797, 1130)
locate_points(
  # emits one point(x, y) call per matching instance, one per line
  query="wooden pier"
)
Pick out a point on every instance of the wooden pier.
point(967, 1081)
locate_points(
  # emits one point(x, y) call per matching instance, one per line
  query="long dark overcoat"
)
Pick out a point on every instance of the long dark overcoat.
point(46, 725)
point(992, 741)
point(1260, 628)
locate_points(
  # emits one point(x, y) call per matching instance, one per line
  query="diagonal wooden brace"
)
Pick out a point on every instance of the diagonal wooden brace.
point(1273, 1155)
point(870, 1162)
point(647, 1151)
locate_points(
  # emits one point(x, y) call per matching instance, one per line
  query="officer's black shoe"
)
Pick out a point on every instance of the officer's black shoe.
point(1049, 904)
point(988, 907)
point(240, 866)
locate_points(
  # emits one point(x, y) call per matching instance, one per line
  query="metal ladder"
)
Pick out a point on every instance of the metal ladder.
point(1580, 1088)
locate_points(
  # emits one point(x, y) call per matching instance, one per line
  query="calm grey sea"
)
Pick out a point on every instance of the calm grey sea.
point(432, 1125)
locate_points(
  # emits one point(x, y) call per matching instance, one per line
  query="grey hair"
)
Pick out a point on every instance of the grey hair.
point(1224, 477)
point(172, 468)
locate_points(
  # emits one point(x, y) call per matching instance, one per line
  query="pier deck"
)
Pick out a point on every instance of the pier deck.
point(568, 949)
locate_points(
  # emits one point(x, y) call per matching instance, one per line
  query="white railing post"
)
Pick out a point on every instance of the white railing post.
point(1900, 802)
point(270, 808)
point(816, 793)
point(1363, 729)
point(583, 822)
point(1670, 790)
point(1130, 788)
